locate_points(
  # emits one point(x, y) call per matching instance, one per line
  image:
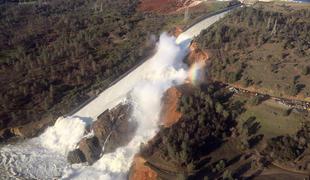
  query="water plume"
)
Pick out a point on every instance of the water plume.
point(44, 157)
point(165, 70)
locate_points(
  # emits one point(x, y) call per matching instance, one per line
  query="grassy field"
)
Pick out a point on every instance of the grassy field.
point(272, 118)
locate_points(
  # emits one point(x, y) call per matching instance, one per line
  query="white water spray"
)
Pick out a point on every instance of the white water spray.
point(162, 71)
point(165, 69)
point(44, 157)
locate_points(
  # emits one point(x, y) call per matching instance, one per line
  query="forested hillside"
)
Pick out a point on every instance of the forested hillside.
point(53, 53)
point(265, 48)
point(250, 120)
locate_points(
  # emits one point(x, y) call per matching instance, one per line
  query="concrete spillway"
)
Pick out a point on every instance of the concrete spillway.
point(114, 94)
point(44, 157)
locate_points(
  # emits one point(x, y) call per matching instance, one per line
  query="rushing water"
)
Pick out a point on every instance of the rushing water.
point(44, 157)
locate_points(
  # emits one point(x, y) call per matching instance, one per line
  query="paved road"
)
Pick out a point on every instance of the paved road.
point(291, 103)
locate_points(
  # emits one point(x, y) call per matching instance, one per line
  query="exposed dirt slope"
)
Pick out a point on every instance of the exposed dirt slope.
point(140, 171)
point(163, 6)
point(196, 54)
point(169, 114)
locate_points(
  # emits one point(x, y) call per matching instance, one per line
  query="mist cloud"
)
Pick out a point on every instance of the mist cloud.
point(165, 70)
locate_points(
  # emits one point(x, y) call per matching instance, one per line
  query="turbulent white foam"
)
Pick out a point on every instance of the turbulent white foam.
point(146, 96)
point(45, 157)
point(29, 160)
point(64, 135)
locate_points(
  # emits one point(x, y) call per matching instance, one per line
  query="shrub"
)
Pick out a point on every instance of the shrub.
point(233, 76)
point(256, 100)
point(220, 165)
point(287, 112)
point(293, 91)
point(227, 175)
point(305, 70)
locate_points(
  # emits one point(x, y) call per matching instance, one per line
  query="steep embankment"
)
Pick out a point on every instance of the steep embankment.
point(168, 116)
point(177, 150)
point(197, 55)
point(169, 113)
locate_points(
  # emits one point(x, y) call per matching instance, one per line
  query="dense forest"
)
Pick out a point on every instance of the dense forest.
point(270, 39)
point(56, 54)
point(207, 118)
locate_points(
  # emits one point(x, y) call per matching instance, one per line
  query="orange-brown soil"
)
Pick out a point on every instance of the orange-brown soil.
point(196, 54)
point(140, 171)
point(169, 114)
point(162, 6)
point(176, 31)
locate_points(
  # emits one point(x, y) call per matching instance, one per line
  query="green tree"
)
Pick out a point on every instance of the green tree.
point(219, 107)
